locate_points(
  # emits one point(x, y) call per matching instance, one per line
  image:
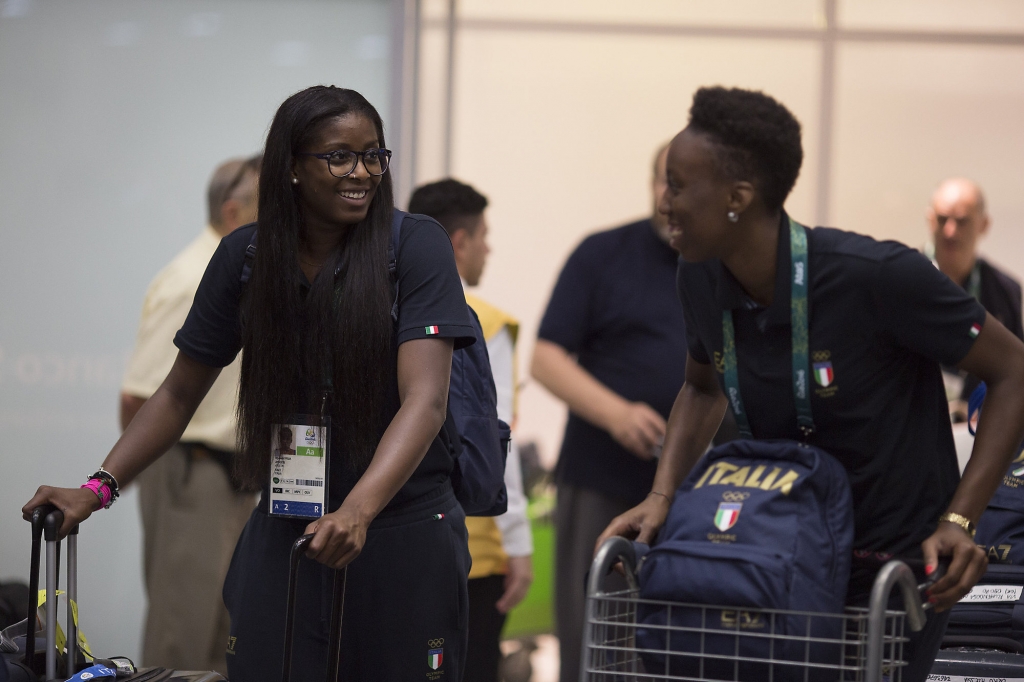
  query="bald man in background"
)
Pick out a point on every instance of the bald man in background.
point(192, 514)
point(958, 220)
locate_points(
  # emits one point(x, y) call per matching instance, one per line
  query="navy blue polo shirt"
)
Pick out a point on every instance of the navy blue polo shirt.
point(431, 303)
point(1001, 296)
point(882, 318)
point(615, 308)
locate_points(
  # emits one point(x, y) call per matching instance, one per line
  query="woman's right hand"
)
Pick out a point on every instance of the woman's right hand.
point(338, 537)
point(77, 504)
point(641, 523)
point(639, 429)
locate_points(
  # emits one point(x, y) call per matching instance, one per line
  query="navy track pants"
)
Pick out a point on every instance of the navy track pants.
point(406, 601)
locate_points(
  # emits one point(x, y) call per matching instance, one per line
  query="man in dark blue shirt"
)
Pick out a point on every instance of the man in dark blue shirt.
point(609, 346)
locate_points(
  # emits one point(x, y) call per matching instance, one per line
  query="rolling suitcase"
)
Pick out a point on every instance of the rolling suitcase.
point(985, 635)
point(977, 664)
point(992, 615)
point(337, 612)
point(30, 658)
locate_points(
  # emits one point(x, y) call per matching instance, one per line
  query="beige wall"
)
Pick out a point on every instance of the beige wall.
point(558, 109)
point(909, 116)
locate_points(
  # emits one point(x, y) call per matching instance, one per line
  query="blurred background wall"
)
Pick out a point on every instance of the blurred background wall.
point(113, 114)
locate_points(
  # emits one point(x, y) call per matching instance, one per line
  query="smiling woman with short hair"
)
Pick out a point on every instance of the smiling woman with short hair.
point(880, 321)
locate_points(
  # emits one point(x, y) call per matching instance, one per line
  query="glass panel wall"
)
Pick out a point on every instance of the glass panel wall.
point(115, 113)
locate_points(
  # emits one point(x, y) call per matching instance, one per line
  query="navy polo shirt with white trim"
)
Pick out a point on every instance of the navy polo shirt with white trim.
point(431, 303)
point(882, 318)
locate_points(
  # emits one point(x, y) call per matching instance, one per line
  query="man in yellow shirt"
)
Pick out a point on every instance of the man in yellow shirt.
point(192, 514)
point(501, 547)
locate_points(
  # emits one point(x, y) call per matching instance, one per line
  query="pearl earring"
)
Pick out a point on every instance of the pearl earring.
point(295, 181)
point(733, 216)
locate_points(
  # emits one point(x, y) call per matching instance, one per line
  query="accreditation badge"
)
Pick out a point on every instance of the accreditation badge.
point(298, 467)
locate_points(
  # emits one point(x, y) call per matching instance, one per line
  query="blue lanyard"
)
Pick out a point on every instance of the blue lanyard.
point(798, 324)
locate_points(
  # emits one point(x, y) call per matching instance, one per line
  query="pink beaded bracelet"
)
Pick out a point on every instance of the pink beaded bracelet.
point(102, 491)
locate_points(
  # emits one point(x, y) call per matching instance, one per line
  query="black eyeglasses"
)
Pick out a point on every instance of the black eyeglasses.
point(343, 161)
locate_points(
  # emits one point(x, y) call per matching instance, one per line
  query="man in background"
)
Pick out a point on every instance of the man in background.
point(192, 513)
point(958, 219)
point(612, 346)
point(501, 547)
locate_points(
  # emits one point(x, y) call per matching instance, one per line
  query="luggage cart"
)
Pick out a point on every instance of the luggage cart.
point(704, 642)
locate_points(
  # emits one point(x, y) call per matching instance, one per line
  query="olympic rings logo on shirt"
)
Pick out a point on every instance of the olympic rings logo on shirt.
point(733, 496)
point(435, 642)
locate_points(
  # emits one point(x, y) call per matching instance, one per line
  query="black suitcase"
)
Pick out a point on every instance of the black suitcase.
point(976, 663)
point(985, 635)
point(337, 612)
point(30, 658)
point(992, 615)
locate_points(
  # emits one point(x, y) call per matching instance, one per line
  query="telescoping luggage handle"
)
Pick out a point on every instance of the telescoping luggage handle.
point(337, 611)
point(47, 520)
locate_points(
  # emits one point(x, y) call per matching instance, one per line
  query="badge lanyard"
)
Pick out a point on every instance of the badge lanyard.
point(299, 465)
point(800, 341)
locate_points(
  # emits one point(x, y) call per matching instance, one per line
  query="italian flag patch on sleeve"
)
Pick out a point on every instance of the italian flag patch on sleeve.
point(975, 330)
point(433, 330)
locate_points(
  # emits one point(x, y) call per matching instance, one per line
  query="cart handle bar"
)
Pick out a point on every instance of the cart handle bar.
point(893, 573)
point(611, 552)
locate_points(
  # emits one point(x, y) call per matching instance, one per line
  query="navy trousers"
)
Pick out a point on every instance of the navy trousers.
point(406, 601)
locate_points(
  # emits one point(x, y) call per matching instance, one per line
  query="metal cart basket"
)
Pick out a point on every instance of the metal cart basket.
point(628, 639)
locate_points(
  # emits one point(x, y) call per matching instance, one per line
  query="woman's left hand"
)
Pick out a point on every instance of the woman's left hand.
point(338, 538)
point(968, 564)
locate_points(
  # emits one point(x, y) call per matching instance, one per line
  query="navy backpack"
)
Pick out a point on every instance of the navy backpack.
point(756, 524)
point(478, 440)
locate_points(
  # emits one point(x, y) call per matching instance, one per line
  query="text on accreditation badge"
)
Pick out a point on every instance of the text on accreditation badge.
point(960, 678)
point(298, 467)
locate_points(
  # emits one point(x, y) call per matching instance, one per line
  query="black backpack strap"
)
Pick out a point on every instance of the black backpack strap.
point(250, 258)
point(396, 232)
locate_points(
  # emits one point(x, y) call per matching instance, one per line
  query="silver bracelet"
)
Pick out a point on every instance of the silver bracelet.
point(114, 480)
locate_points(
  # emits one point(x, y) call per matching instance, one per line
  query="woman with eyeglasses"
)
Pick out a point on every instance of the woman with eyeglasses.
point(307, 294)
point(858, 373)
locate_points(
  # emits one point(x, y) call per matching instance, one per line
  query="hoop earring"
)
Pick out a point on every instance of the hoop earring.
point(733, 216)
